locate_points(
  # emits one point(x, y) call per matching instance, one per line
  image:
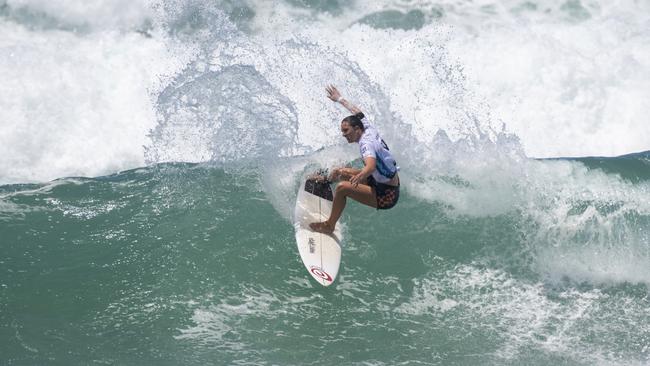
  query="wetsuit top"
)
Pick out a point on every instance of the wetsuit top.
point(371, 144)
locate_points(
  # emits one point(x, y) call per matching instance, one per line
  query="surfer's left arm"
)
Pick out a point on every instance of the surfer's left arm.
point(370, 166)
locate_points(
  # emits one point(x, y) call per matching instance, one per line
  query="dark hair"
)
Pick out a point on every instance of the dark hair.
point(355, 120)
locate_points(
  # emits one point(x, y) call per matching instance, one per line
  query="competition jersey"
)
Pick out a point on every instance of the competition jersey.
point(372, 145)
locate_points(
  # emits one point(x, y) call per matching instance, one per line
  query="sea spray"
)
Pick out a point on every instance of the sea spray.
point(490, 257)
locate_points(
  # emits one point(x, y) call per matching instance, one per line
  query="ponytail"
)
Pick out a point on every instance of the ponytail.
point(355, 120)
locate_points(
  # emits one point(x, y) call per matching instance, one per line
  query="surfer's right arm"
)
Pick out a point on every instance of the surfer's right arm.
point(335, 96)
point(339, 174)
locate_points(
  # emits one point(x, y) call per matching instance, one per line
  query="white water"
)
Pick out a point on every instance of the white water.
point(80, 84)
point(75, 104)
point(88, 91)
point(567, 79)
point(84, 103)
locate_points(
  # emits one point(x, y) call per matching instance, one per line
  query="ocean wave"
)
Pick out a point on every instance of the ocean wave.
point(571, 70)
point(193, 260)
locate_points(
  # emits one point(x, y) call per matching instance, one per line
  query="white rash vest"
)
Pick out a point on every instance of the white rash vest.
point(372, 145)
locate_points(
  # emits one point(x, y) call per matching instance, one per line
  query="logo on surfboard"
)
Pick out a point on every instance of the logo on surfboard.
point(317, 271)
point(312, 245)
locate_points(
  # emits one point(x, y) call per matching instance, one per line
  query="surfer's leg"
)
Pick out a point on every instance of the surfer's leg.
point(361, 193)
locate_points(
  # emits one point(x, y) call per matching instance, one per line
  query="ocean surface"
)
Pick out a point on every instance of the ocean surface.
point(151, 152)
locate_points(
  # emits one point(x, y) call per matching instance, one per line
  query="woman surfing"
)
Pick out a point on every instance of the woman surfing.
point(377, 184)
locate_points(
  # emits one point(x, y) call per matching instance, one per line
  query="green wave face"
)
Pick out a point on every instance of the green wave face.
point(191, 264)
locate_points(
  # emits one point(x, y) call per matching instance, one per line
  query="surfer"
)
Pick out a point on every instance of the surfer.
point(377, 184)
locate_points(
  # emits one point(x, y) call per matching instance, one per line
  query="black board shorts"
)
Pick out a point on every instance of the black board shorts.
point(387, 195)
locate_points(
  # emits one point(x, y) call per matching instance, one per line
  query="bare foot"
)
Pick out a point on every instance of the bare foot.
point(322, 227)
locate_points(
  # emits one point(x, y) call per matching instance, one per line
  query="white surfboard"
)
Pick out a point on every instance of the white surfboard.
point(321, 253)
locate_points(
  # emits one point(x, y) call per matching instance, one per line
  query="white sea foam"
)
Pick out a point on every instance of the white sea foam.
point(222, 325)
point(567, 78)
point(566, 89)
point(525, 315)
point(83, 103)
point(75, 105)
point(577, 223)
point(588, 225)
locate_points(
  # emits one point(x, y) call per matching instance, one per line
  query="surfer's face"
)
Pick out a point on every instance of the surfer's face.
point(352, 134)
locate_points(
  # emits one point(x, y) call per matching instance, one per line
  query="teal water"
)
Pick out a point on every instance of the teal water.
point(190, 264)
point(151, 152)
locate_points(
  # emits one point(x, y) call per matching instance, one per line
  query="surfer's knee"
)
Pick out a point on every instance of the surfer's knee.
point(343, 188)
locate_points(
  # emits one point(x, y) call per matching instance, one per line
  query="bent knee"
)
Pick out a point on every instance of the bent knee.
point(343, 187)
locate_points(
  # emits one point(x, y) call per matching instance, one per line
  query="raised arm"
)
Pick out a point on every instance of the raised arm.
point(335, 95)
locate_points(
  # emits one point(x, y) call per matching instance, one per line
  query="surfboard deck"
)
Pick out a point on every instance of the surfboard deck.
point(320, 253)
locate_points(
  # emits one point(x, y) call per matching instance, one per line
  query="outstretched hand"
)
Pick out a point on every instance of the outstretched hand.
point(333, 93)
